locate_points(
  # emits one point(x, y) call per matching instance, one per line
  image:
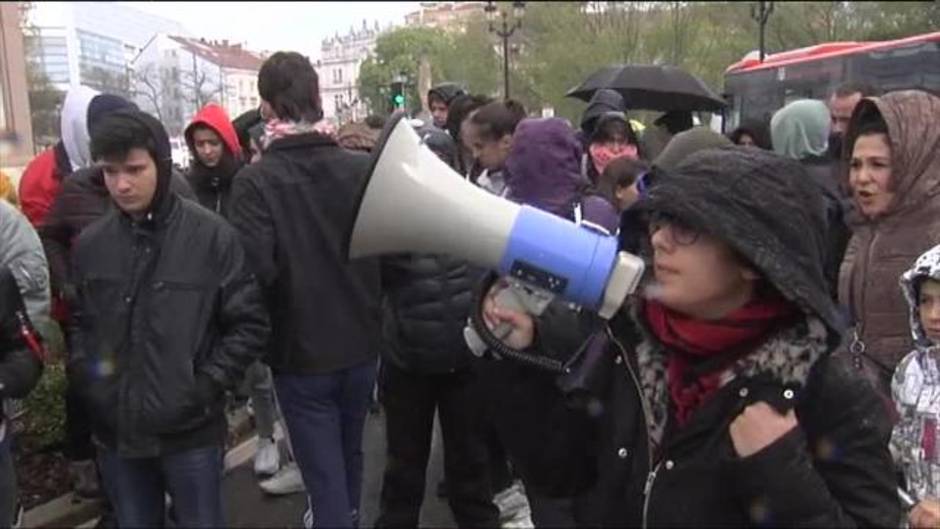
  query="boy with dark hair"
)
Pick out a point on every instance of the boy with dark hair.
point(165, 318)
point(439, 99)
point(293, 211)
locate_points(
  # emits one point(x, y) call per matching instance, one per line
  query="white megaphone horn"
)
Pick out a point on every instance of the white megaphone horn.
point(412, 202)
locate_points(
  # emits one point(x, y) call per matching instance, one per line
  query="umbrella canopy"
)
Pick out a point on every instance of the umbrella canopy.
point(648, 87)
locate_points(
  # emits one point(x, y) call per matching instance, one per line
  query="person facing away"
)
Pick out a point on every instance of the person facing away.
point(618, 182)
point(800, 131)
point(216, 155)
point(439, 99)
point(427, 369)
point(717, 401)
point(915, 389)
point(166, 317)
point(751, 134)
point(892, 143)
point(293, 209)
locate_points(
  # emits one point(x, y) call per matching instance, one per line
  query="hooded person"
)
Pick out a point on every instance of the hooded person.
point(543, 170)
point(612, 137)
point(216, 157)
point(894, 174)
point(664, 129)
point(243, 124)
point(717, 401)
point(43, 176)
point(800, 131)
point(439, 100)
point(155, 345)
point(915, 389)
point(603, 101)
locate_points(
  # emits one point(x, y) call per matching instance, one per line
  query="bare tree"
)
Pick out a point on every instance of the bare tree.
point(149, 85)
point(199, 88)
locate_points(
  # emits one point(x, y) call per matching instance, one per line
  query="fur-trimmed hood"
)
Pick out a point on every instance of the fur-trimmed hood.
point(927, 266)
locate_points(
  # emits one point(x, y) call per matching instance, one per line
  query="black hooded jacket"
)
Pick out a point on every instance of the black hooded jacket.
point(82, 200)
point(588, 433)
point(166, 316)
point(602, 102)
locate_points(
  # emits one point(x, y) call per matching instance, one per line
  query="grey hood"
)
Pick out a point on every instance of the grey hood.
point(926, 266)
point(74, 125)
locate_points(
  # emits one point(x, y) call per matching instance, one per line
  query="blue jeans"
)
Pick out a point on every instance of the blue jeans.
point(193, 479)
point(325, 416)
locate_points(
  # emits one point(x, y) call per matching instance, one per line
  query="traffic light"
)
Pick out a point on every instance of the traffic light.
point(398, 95)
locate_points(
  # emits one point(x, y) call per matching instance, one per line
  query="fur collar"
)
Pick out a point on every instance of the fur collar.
point(787, 356)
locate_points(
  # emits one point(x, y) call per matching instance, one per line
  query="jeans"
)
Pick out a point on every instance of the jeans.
point(193, 479)
point(410, 401)
point(325, 416)
point(260, 388)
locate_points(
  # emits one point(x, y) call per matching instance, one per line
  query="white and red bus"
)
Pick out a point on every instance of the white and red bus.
point(755, 90)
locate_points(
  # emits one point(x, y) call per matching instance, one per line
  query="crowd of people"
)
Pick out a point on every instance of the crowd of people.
point(779, 366)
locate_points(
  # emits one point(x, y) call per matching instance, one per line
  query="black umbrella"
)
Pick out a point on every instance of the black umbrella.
point(648, 87)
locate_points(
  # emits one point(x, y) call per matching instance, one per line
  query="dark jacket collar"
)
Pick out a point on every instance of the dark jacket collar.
point(295, 141)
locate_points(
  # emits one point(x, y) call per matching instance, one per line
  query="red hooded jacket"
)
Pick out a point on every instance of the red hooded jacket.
point(215, 117)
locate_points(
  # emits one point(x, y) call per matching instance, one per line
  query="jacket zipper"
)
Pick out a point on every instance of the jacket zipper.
point(646, 493)
point(647, 411)
point(858, 345)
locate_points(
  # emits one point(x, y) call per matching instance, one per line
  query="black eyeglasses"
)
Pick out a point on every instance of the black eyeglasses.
point(682, 234)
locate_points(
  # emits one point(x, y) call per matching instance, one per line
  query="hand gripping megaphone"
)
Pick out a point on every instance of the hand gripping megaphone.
point(413, 202)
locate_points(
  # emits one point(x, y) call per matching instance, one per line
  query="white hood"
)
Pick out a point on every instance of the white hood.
point(74, 125)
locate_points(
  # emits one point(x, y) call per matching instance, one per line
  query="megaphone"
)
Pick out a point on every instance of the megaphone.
point(412, 202)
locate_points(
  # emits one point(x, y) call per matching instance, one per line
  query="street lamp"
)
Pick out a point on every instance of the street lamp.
point(760, 13)
point(508, 28)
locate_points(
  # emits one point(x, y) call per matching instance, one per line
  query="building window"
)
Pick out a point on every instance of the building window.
point(337, 75)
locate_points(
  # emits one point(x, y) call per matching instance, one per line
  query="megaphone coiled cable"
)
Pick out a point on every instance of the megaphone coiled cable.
point(496, 345)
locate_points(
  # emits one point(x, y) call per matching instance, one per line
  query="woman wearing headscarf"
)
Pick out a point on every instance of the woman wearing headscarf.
point(800, 131)
point(892, 144)
point(716, 402)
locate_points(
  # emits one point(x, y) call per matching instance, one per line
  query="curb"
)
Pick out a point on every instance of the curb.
point(69, 511)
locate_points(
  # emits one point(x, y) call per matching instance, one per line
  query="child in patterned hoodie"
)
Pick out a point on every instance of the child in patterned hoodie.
point(916, 392)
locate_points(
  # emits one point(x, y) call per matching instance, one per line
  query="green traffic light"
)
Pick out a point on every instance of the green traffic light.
point(399, 99)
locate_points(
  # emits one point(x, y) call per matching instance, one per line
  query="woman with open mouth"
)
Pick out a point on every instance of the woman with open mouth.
point(893, 148)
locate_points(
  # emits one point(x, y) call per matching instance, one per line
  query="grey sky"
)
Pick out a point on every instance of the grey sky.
point(298, 26)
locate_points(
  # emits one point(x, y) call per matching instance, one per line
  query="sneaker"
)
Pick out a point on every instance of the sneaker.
point(85, 479)
point(286, 481)
point(514, 510)
point(267, 457)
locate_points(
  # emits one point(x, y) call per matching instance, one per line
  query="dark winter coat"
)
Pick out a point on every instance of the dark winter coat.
point(837, 208)
point(213, 185)
point(593, 437)
point(294, 209)
point(167, 316)
point(82, 200)
point(427, 300)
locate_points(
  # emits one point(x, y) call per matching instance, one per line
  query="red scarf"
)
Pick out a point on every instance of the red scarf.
point(689, 341)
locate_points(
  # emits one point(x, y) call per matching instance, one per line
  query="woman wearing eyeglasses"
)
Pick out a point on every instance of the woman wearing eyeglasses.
point(716, 402)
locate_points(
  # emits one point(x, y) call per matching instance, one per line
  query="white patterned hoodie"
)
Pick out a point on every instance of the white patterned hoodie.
point(915, 442)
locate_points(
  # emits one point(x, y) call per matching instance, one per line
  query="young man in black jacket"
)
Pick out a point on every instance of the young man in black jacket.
point(293, 209)
point(166, 317)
